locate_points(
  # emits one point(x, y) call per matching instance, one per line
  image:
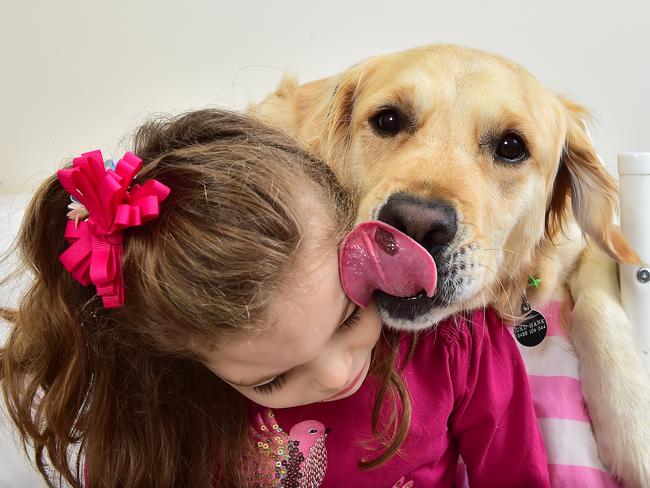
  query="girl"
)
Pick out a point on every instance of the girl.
point(217, 347)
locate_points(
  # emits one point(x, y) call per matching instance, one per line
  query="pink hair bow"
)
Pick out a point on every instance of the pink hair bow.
point(95, 252)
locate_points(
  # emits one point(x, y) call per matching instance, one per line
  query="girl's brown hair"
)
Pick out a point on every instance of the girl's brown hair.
point(120, 394)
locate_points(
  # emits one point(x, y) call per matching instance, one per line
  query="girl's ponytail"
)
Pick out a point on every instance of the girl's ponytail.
point(45, 375)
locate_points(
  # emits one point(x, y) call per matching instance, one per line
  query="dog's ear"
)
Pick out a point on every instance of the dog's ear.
point(317, 114)
point(278, 108)
point(337, 132)
point(592, 191)
point(297, 109)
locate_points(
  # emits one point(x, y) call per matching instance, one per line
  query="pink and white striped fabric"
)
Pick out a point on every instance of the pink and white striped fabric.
point(553, 374)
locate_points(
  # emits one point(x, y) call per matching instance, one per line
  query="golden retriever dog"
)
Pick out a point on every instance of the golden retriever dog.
point(497, 178)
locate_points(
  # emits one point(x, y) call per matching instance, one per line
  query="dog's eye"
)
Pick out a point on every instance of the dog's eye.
point(387, 122)
point(511, 149)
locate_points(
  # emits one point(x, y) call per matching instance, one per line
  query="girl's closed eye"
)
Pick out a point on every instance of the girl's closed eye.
point(275, 384)
point(353, 319)
point(280, 380)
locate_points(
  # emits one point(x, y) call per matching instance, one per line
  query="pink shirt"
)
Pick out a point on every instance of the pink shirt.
point(470, 397)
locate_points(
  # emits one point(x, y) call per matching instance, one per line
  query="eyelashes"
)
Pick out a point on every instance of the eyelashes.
point(353, 319)
point(271, 386)
point(280, 380)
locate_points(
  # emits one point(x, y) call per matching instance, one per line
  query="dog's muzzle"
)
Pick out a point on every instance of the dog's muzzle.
point(433, 224)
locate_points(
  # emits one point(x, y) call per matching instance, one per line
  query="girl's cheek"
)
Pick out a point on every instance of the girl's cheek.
point(370, 318)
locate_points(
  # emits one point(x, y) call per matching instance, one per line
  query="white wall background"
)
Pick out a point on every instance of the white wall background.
point(79, 75)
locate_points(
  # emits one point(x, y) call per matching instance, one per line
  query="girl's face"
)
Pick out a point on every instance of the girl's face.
point(317, 344)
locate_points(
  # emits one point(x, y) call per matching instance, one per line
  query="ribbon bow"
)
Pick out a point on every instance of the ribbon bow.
point(95, 252)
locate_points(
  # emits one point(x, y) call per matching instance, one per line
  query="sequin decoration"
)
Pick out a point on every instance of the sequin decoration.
point(401, 483)
point(294, 460)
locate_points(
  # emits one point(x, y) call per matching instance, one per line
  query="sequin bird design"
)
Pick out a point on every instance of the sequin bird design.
point(401, 483)
point(294, 460)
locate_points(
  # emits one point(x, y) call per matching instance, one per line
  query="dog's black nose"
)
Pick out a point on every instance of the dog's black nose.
point(432, 223)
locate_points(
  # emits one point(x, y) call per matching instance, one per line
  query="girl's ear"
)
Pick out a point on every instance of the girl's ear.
point(591, 189)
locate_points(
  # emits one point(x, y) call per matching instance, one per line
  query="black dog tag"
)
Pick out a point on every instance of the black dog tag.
point(532, 329)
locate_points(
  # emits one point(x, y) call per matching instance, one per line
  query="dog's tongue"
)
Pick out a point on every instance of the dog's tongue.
point(376, 256)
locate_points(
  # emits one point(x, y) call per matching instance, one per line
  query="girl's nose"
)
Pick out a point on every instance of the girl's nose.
point(332, 373)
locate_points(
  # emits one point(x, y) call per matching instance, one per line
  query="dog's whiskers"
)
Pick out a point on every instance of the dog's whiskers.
point(500, 249)
point(498, 307)
point(514, 283)
point(510, 315)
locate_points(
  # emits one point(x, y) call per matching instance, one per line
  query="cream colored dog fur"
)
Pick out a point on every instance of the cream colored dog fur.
point(549, 213)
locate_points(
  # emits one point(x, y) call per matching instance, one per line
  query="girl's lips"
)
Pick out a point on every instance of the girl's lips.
point(360, 375)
